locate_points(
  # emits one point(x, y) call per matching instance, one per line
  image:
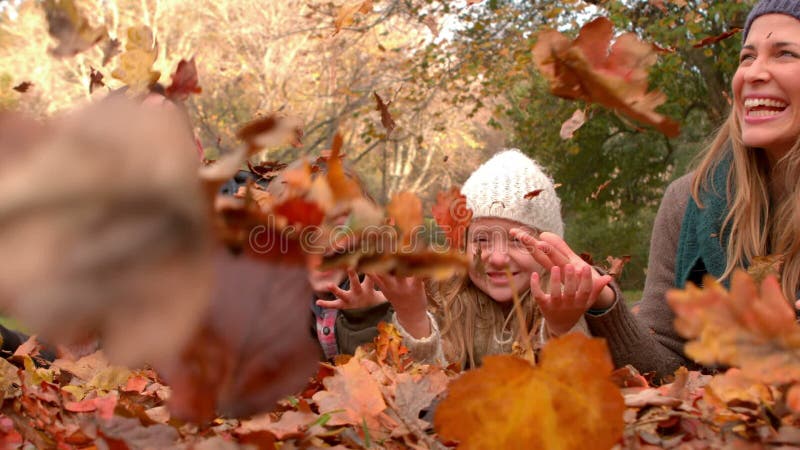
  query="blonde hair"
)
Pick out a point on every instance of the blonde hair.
point(758, 223)
point(463, 310)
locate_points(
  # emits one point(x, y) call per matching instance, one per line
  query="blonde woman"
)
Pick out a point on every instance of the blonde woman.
point(743, 200)
point(474, 316)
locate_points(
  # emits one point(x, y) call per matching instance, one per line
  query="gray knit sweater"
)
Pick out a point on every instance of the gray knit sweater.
point(648, 341)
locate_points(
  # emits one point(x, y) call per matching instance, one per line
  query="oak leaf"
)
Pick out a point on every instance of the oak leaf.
point(351, 396)
point(136, 62)
point(747, 327)
point(507, 403)
point(184, 81)
point(453, 216)
point(586, 69)
point(72, 31)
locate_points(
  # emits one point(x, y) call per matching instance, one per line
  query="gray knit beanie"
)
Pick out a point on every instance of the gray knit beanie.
point(499, 186)
point(788, 7)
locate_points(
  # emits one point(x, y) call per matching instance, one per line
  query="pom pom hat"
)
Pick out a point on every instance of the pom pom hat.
point(498, 188)
point(788, 7)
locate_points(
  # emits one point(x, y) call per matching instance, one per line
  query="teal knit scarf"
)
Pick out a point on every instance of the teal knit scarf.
point(701, 227)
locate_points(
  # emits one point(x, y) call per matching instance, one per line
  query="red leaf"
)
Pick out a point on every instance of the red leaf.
point(714, 39)
point(23, 87)
point(533, 193)
point(184, 81)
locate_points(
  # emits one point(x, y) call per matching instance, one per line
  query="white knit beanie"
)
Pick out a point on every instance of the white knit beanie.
point(498, 188)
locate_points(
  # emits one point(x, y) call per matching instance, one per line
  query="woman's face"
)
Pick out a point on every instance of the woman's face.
point(499, 254)
point(766, 86)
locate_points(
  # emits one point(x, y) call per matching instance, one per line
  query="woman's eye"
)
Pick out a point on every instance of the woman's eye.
point(746, 57)
point(788, 53)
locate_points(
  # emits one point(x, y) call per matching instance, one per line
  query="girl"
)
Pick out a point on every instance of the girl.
point(474, 315)
point(742, 201)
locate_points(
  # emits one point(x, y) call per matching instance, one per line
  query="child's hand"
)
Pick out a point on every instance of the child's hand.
point(360, 295)
point(407, 296)
point(570, 295)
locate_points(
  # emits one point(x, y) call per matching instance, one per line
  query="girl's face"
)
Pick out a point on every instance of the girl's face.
point(499, 253)
point(766, 86)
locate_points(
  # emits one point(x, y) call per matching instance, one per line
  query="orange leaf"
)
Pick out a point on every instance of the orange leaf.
point(352, 396)
point(507, 403)
point(271, 131)
point(714, 39)
point(750, 328)
point(346, 13)
point(452, 215)
point(588, 70)
point(405, 209)
point(616, 265)
point(389, 345)
point(342, 186)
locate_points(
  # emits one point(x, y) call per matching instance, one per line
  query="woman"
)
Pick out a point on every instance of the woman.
point(742, 201)
point(475, 315)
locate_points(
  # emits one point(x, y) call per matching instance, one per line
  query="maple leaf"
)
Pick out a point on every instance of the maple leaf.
point(753, 329)
point(507, 403)
point(586, 69)
point(452, 215)
point(235, 365)
point(95, 79)
point(23, 87)
point(386, 117)
point(72, 31)
point(352, 396)
point(762, 266)
point(136, 62)
point(405, 211)
point(184, 81)
point(347, 12)
point(571, 125)
point(138, 215)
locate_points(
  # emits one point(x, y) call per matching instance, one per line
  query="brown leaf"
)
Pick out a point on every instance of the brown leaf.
point(507, 403)
point(714, 39)
point(600, 189)
point(126, 228)
point(588, 70)
point(532, 194)
point(72, 31)
point(235, 365)
point(571, 125)
point(347, 12)
point(273, 130)
point(453, 216)
point(184, 81)
point(292, 424)
point(95, 80)
point(23, 87)
point(615, 265)
point(111, 48)
point(386, 117)
point(413, 393)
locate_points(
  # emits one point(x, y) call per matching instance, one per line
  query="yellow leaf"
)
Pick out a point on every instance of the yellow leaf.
point(136, 62)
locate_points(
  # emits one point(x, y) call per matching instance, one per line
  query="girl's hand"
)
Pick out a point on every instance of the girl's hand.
point(570, 295)
point(407, 296)
point(360, 295)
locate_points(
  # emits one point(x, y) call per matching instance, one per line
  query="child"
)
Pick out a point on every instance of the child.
point(474, 315)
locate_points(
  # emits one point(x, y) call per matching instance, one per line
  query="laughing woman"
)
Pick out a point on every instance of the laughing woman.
point(743, 200)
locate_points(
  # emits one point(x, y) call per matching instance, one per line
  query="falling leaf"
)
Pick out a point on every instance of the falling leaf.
point(507, 403)
point(761, 266)
point(587, 70)
point(571, 125)
point(72, 31)
point(405, 209)
point(235, 365)
point(139, 215)
point(615, 265)
point(453, 216)
point(600, 189)
point(136, 62)
point(343, 187)
point(347, 12)
point(714, 39)
point(430, 22)
point(111, 48)
point(352, 396)
point(386, 117)
point(750, 328)
point(23, 87)
point(533, 194)
point(95, 79)
point(273, 130)
point(184, 81)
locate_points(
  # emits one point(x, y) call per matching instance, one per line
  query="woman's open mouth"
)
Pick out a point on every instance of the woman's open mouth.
point(763, 107)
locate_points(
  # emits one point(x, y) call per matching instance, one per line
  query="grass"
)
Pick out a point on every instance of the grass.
point(632, 296)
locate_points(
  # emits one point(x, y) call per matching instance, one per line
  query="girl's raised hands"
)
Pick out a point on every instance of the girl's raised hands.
point(362, 294)
point(410, 303)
